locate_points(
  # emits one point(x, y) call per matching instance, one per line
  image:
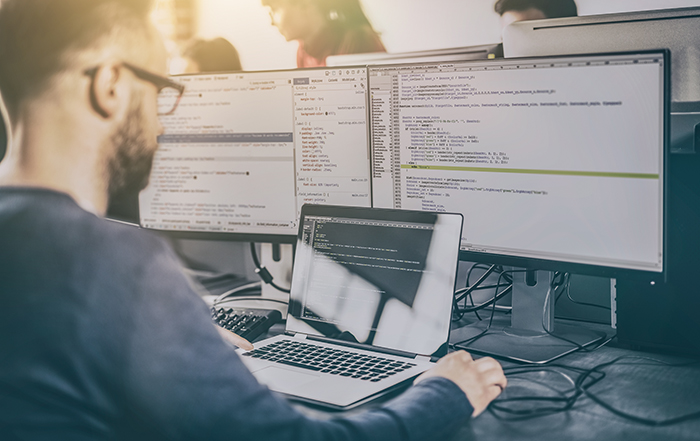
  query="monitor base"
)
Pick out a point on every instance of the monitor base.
point(523, 346)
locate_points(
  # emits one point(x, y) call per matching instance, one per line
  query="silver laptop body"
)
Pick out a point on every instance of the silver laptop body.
point(370, 303)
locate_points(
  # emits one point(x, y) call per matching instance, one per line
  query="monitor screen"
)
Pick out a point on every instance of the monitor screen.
point(244, 151)
point(674, 29)
point(376, 277)
point(555, 162)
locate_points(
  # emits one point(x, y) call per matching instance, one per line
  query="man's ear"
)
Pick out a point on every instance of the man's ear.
point(105, 94)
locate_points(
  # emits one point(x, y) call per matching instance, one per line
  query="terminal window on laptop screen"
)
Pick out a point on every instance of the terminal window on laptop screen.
point(244, 151)
point(384, 283)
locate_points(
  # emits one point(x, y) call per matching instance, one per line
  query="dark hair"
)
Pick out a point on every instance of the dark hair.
point(41, 38)
point(346, 13)
point(550, 8)
point(217, 55)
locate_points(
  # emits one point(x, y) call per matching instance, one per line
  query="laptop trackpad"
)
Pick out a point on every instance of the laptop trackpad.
point(281, 379)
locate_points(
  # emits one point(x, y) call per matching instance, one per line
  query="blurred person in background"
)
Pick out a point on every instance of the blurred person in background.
point(521, 10)
point(217, 55)
point(324, 28)
point(3, 138)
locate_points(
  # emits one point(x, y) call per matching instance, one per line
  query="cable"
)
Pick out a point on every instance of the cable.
point(586, 379)
point(593, 305)
point(585, 389)
point(501, 408)
point(262, 299)
point(464, 293)
point(553, 285)
point(493, 301)
point(567, 291)
point(468, 290)
point(236, 290)
point(566, 399)
point(565, 279)
point(262, 271)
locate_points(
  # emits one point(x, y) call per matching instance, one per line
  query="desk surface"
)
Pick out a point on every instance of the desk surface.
point(640, 384)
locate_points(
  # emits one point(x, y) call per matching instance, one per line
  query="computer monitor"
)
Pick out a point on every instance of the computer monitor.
point(556, 163)
point(673, 29)
point(244, 151)
point(650, 316)
point(481, 52)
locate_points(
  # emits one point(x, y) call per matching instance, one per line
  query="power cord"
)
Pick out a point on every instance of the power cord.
point(262, 271)
point(525, 407)
point(257, 299)
point(464, 294)
point(236, 291)
point(492, 303)
point(564, 279)
point(585, 389)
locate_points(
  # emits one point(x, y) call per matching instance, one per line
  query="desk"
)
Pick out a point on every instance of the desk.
point(638, 385)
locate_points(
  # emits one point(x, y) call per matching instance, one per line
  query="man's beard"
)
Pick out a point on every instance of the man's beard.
point(129, 165)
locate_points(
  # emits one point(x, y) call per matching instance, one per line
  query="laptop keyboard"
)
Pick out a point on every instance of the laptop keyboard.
point(329, 360)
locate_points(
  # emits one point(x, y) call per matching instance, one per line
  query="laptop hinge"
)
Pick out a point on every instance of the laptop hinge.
point(395, 352)
point(422, 358)
point(300, 336)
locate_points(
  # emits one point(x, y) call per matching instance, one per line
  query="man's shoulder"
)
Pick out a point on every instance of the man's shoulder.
point(68, 249)
point(56, 221)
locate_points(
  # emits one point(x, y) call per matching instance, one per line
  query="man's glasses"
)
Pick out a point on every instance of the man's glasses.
point(169, 92)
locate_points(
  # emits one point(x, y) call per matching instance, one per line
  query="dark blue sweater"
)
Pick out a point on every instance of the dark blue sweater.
point(102, 338)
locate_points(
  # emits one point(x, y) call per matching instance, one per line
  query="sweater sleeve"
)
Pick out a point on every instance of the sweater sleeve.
point(182, 381)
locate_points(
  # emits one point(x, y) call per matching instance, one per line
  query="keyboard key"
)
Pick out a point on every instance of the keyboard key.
point(248, 323)
point(300, 365)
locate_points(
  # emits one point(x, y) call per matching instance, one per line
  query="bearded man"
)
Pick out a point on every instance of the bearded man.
point(101, 335)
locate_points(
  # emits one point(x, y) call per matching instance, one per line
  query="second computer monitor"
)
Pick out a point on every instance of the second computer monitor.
point(555, 162)
point(244, 151)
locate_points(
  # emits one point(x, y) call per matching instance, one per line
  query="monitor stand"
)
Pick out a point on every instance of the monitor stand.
point(526, 340)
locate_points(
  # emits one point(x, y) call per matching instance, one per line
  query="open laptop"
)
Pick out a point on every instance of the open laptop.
point(370, 303)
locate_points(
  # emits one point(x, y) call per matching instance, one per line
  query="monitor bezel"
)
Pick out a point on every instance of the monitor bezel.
point(374, 213)
point(573, 267)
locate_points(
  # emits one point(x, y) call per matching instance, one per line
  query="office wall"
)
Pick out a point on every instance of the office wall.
point(405, 25)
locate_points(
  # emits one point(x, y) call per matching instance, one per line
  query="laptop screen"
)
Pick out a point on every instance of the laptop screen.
point(377, 277)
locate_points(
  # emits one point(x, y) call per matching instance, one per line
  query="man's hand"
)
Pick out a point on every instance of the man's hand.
point(481, 380)
point(235, 339)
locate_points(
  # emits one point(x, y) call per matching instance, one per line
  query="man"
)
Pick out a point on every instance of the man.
point(101, 335)
point(520, 10)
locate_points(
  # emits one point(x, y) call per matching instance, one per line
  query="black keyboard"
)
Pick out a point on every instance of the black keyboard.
point(329, 360)
point(248, 323)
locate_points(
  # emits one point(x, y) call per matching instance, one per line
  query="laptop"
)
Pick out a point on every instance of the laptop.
point(370, 304)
